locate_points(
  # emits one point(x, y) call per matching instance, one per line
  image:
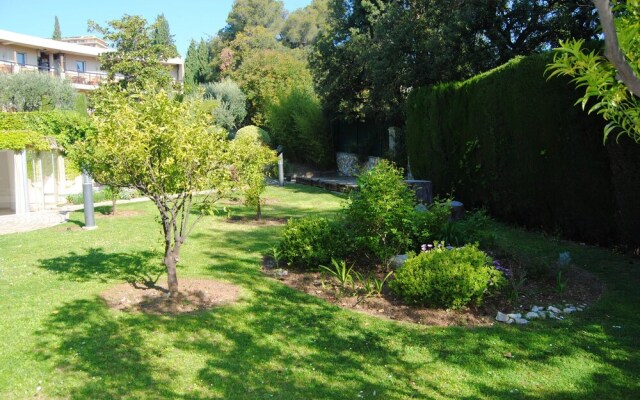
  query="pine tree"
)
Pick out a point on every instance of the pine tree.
point(57, 35)
point(161, 35)
point(191, 64)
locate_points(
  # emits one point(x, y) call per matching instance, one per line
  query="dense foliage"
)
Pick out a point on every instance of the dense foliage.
point(379, 215)
point(373, 52)
point(139, 53)
point(313, 241)
point(232, 103)
point(66, 127)
point(255, 133)
point(252, 158)
point(514, 142)
point(450, 278)
point(265, 75)
point(34, 92)
point(298, 124)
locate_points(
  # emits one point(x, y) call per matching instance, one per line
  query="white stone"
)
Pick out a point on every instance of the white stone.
point(532, 315)
point(535, 309)
point(542, 314)
point(514, 316)
point(579, 309)
point(500, 317)
point(554, 309)
point(398, 261)
point(551, 314)
point(570, 310)
point(421, 208)
point(521, 321)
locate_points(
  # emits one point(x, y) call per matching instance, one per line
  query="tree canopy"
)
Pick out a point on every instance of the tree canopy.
point(137, 58)
point(374, 51)
point(161, 35)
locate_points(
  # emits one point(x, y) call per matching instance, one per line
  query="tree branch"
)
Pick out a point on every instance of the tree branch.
point(612, 48)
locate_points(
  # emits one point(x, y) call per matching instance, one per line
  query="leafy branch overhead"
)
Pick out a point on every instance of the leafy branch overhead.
point(610, 81)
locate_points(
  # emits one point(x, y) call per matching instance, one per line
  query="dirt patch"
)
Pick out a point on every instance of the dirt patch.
point(195, 295)
point(583, 288)
point(120, 214)
point(268, 221)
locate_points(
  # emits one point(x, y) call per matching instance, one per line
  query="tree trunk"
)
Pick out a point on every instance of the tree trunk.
point(114, 199)
point(170, 262)
point(259, 216)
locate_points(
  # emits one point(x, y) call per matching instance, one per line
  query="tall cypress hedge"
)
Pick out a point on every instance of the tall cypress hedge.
point(514, 142)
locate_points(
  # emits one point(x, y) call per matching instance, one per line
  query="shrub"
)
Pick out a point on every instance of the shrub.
point(255, 133)
point(379, 214)
point(429, 225)
point(309, 242)
point(447, 278)
point(232, 103)
point(34, 92)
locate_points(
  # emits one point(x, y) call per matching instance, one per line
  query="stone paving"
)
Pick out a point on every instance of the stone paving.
point(32, 221)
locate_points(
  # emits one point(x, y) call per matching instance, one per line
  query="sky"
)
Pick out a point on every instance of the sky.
point(188, 19)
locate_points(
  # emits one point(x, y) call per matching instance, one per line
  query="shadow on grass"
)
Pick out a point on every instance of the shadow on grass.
point(285, 344)
point(106, 357)
point(97, 265)
point(279, 343)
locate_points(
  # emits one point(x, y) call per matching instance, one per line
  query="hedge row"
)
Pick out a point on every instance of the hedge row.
point(64, 126)
point(515, 143)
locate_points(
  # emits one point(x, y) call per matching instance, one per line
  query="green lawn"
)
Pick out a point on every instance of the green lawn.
point(59, 340)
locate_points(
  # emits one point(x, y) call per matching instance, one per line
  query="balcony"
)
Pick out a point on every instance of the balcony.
point(79, 80)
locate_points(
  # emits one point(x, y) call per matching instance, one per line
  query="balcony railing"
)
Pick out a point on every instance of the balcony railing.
point(76, 77)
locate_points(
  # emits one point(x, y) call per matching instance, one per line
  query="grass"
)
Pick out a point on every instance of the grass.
point(59, 340)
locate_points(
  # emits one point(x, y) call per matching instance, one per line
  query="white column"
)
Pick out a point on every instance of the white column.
point(21, 188)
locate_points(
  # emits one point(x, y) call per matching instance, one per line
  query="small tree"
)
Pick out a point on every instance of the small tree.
point(252, 160)
point(166, 149)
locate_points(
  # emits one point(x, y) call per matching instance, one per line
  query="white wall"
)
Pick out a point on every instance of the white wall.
point(7, 180)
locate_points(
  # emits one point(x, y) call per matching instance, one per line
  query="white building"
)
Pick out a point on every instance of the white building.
point(73, 58)
point(33, 180)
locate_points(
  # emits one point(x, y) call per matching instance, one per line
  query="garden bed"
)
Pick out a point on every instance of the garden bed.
point(583, 288)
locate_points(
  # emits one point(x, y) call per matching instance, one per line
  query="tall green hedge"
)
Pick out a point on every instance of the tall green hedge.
point(515, 143)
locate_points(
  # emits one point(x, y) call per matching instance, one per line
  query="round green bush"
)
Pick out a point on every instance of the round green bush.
point(310, 242)
point(254, 132)
point(447, 278)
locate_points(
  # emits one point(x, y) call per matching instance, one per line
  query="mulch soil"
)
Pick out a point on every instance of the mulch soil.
point(583, 288)
point(194, 295)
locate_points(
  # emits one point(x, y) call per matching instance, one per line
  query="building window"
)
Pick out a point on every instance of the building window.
point(80, 66)
point(21, 58)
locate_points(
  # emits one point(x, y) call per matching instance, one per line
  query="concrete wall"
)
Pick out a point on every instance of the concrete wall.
point(7, 53)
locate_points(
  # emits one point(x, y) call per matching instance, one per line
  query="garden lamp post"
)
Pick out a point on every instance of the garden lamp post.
point(280, 151)
point(87, 196)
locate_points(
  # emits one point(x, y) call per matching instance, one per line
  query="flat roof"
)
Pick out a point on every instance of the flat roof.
point(50, 45)
point(9, 38)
